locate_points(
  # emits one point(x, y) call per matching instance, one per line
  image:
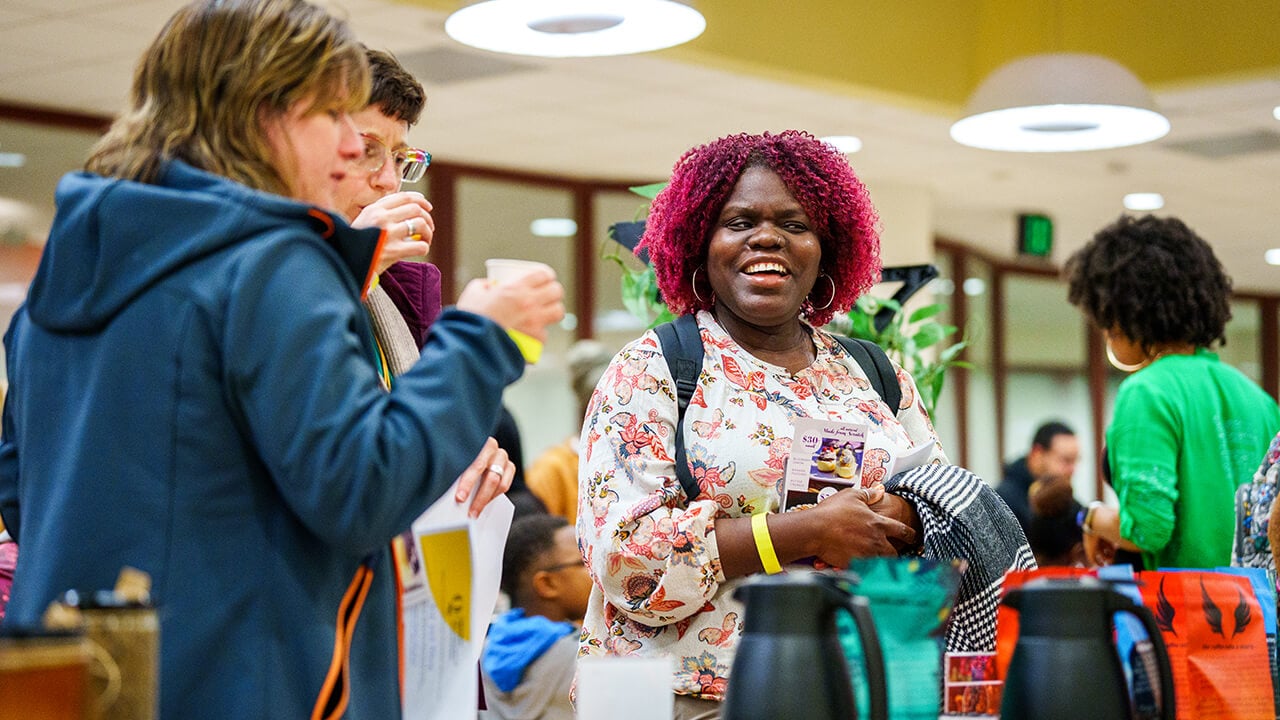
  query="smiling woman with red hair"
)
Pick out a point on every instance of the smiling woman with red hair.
point(762, 238)
point(818, 177)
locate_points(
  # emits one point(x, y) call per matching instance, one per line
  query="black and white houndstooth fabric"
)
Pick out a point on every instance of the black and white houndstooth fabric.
point(963, 518)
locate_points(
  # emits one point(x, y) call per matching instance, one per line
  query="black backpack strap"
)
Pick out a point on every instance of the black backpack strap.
point(682, 347)
point(875, 363)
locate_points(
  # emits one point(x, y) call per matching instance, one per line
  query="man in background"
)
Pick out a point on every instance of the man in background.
point(1038, 490)
point(1052, 459)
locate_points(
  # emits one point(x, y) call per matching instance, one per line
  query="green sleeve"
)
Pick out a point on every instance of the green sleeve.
point(1142, 449)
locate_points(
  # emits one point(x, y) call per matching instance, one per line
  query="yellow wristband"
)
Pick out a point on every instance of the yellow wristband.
point(530, 346)
point(764, 544)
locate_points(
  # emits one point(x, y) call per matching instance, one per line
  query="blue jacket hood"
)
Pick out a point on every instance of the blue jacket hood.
point(515, 641)
point(137, 233)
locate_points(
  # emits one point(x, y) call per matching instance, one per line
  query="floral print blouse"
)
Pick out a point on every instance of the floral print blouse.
point(658, 588)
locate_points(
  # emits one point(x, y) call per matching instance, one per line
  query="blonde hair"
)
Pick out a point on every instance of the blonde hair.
point(217, 68)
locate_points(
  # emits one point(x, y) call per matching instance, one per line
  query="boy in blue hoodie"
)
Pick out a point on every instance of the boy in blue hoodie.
point(531, 650)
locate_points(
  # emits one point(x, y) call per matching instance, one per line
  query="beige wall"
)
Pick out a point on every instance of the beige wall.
point(906, 223)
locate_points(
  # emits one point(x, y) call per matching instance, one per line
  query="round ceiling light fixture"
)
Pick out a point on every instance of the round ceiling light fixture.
point(1059, 102)
point(574, 28)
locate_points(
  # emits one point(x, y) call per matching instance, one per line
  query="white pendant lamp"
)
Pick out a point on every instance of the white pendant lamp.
point(1059, 102)
point(575, 28)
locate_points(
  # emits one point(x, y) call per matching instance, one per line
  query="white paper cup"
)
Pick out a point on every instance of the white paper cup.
point(625, 688)
point(501, 270)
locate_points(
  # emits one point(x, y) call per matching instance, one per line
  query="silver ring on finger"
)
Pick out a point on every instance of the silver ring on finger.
point(498, 468)
point(409, 226)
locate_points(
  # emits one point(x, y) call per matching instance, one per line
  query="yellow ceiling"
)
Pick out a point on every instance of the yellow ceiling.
point(933, 53)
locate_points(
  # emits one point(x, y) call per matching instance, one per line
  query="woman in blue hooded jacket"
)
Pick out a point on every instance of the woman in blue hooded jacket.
point(190, 386)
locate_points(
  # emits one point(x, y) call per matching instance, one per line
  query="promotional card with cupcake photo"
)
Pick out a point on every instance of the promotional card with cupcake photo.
point(829, 455)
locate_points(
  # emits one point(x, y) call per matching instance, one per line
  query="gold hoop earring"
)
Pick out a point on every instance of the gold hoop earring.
point(1123, 367)
point(830, 299)
point(693, 283)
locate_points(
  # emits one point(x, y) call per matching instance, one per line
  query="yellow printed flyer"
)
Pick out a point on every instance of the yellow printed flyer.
point(449, 577)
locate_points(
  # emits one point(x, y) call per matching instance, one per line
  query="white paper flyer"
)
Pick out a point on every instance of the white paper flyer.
point(450, 567)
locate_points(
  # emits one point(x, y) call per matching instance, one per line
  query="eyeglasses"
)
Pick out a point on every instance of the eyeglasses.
point(411, 163)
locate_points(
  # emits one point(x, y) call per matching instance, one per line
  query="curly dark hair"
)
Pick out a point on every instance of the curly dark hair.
point(394, 89)
point(1154, 280)
point(683, 216)
point(530, 538)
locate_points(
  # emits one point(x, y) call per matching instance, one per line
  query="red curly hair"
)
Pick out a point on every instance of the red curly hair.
point(682, 217)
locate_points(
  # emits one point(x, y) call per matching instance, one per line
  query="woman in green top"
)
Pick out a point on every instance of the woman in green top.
point(1186, 429)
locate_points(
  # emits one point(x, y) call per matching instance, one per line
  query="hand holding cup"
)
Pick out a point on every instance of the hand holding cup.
point(519, 295)
point(405, 218)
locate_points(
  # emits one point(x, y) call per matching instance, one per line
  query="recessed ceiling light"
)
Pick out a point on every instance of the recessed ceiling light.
point(1272, 256)
point(12, 159)
point(1144, 201)
point(574, 28)
point(847, 144)
point(553, 227)
point(1276, 112)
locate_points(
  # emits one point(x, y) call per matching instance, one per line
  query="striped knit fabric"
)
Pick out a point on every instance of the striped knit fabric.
point(964, 519)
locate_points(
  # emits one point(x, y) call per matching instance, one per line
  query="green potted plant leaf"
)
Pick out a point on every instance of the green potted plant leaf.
point(916, 341)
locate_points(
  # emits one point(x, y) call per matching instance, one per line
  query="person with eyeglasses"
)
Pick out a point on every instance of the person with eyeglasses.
point(384, 166)
point(191, 392)
point(407, 298)
point(370, 196)
point(531, 651)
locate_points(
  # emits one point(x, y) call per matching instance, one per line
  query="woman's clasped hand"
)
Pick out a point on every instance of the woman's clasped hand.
point(857, 522)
